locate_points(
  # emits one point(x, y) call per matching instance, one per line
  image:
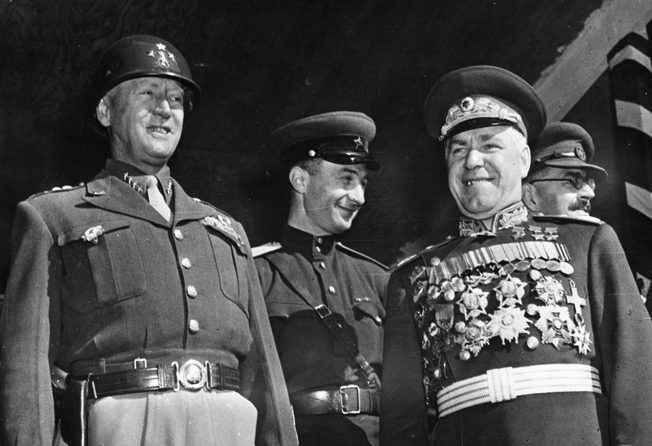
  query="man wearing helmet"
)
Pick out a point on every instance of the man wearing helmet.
point(137, 303)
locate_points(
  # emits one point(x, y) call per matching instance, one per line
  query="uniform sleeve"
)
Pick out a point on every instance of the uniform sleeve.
point(263, 380)
point(26, 403)
point(403, 408)
point(625, 340)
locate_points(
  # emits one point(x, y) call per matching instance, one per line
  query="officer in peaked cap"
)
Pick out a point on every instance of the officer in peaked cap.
point(482, 96)
point(323, 298)
point(561, 180)
point(340, 137)
point(483, 330)
point(140, 309)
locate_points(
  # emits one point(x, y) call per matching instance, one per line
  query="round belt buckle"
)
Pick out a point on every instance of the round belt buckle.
point(192, 375)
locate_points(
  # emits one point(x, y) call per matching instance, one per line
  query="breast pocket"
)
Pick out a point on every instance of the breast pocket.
point(231, 266)
point(103, 264)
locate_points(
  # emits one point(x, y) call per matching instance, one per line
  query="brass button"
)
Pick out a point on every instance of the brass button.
point(331, 289)
point(185, 262)
point(322, 265)
point(178, 234)
point(192, 291)
point(193, 326)
point(317, 248)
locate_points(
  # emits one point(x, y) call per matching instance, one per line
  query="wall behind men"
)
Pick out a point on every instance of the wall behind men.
point(262, 64)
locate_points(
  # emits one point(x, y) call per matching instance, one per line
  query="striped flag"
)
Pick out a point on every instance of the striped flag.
point(630, 76)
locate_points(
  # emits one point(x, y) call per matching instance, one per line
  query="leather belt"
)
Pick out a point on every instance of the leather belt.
point(347, 400)
point(508, 383)
point(191, 375)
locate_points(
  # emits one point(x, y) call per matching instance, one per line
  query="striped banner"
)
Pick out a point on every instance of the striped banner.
point(630, 75)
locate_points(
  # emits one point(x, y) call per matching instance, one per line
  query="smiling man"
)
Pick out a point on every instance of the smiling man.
point(519, 330)
point(140, 302)
point(324, 299)
point(561, 180)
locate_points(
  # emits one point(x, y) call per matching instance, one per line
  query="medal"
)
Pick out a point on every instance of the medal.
point(509, 323)
point(549, 290)
point(510, 291)
point(555, 325)
point(575, 299)
point(473, 303)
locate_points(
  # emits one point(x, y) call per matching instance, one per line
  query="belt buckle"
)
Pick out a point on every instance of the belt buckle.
point(344, 400)
point(191, 375)
point(323, 311)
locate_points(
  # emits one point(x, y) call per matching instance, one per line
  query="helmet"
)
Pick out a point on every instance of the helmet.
point(141, 56)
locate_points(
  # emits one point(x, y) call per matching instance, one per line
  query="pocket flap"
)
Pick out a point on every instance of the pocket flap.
point(372, 309)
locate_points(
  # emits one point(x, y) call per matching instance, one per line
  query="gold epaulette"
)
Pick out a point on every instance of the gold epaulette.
point(361, 255)
point(568, 219)
point(261, 250)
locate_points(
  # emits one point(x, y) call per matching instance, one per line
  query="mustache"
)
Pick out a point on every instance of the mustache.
point(580, 205)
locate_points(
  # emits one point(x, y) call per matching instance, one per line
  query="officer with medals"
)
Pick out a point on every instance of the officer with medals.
point(139, 301)
point(520, 330)
point(561, 180)
point(323, 298)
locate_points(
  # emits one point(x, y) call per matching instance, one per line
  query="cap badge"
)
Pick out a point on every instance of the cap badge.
point(480, 107)
point(467, 104)
point(312, 153)
point(358, 143)
point(581, 154)
point(161, 56)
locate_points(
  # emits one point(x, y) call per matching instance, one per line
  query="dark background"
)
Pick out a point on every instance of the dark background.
point(264, 63)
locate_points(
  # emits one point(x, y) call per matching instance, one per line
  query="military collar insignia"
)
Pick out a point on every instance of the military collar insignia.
point(162, 56)
point(135, 185)
point(505, 219)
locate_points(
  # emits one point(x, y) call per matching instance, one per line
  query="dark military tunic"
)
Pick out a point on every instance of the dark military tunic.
point(100, 278)
point(351, 285)
point(525, 292)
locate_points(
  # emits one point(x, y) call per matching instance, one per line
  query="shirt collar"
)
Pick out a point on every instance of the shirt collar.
point(507, 218)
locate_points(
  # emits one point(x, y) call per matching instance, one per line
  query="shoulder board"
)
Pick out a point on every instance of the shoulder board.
point(567, 219)
point(58, 189)
point(426, 250)
point(361, 255)
point(261, 250)
point(404, 261)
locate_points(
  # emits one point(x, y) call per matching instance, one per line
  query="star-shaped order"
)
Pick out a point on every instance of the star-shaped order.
point(555, 325)
point(582, 339)
point(509, 323)
point(510, 291)
point(550, 290)
point(475, 337)
point(473, 302)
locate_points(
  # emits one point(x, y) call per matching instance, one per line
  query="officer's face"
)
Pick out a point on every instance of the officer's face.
point(562, 197)
point(333, 196)
point(485, 168)
point(146, 119)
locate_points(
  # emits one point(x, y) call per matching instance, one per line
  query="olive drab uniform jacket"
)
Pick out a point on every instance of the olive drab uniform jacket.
point(305, 268)
point(98, 277)
point(541, 315)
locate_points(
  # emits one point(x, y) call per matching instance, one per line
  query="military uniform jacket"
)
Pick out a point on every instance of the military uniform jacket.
point(98, 277)
point(523, 293)
point(350, 284)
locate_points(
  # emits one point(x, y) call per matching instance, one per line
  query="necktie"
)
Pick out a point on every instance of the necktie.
point(155, 197)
